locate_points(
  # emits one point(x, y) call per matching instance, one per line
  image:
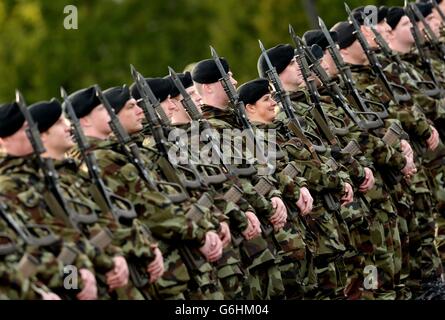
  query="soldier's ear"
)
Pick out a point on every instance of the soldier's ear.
point(85, 121)
point(207, 88)
point(250, 108)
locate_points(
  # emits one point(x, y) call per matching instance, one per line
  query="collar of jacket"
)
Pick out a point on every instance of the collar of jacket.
point(228, 115)
point(10, 164)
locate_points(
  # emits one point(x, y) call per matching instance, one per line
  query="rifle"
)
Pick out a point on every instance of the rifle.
point(213, 178)
point(30, 233)
point(424, 54)
point(101, 194)
point(427, 87)
point(376, 67)
point(52, 194)
point(293, 124)
point(231, 172)
point(317, 112)
point(344, 70)
point(157, 126)
point(239, 109)
point(440, 47)
point(337, 96)
point(7, 245)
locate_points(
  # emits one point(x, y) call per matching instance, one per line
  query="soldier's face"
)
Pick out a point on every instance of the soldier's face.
point(179, 115)
point(434, 22)
point(169, 107)
point(437, 16)
point(58, 138)
point(195, 96)
point(384, 29)
point(131, 117)
point(328, 64)
point(99, 119)
point(402, 32)
point(356, 53)
point(369, 36)
point(292, 74)
point(17, 144)
point(265, 109)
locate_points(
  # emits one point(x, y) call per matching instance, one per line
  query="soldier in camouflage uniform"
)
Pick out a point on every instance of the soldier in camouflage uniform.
point(230, 272)
point(374, 151)
point(165, 220)
point(260, 253)
point(205, 281)
point(281, 57)
point(132, 243)
point(433, 105)
point(21, 188)
point(422, 200)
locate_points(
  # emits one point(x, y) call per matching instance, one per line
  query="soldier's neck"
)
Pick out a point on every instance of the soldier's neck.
point(400, 47)
point(53, 154)
point(291, 87)
point(91, 132)
point(254, 118)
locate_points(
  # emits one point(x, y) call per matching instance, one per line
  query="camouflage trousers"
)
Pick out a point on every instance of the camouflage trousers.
point(425, 211)
point(359, 252)
point(295, 260)
point(264, 276)
point(232, 276)
point(330, 269)
point(383, 232)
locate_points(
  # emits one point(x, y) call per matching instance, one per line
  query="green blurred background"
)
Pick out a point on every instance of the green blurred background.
point(37, 54)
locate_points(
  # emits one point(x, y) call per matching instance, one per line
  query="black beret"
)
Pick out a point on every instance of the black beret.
point(11, 119)
point(280, 56)
point(394, 15)
point(206, 71)
point(118, 97)
point(425, 9)
point(312, 37)
point(161, 88)
point(252, 91)
point(383, 12)
point(46, 113)
point(185, 78)
point(345, 34)
point(84, 101)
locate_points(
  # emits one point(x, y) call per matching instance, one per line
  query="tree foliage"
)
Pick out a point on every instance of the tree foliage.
point(38, 54)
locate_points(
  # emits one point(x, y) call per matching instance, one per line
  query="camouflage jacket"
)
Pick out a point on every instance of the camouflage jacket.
point(165, 220)
point(222, 121)
point(227, 209)
point(21, 188)
point(129, 241)
point(409, 113)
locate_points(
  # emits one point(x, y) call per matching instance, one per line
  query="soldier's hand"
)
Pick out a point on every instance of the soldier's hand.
point(305, 201)
point(280, 216)
point(156, 267)
point(368, 184)
point(118, 277)
point(224, 234)
point(212, 248)
point(409, 170)
point(349, 195)
point(253, 229)
point(406, 148)
point(433, 140)
point(89, 291)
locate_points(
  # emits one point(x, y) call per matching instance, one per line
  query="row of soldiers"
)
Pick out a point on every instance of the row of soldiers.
point(347, 203)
